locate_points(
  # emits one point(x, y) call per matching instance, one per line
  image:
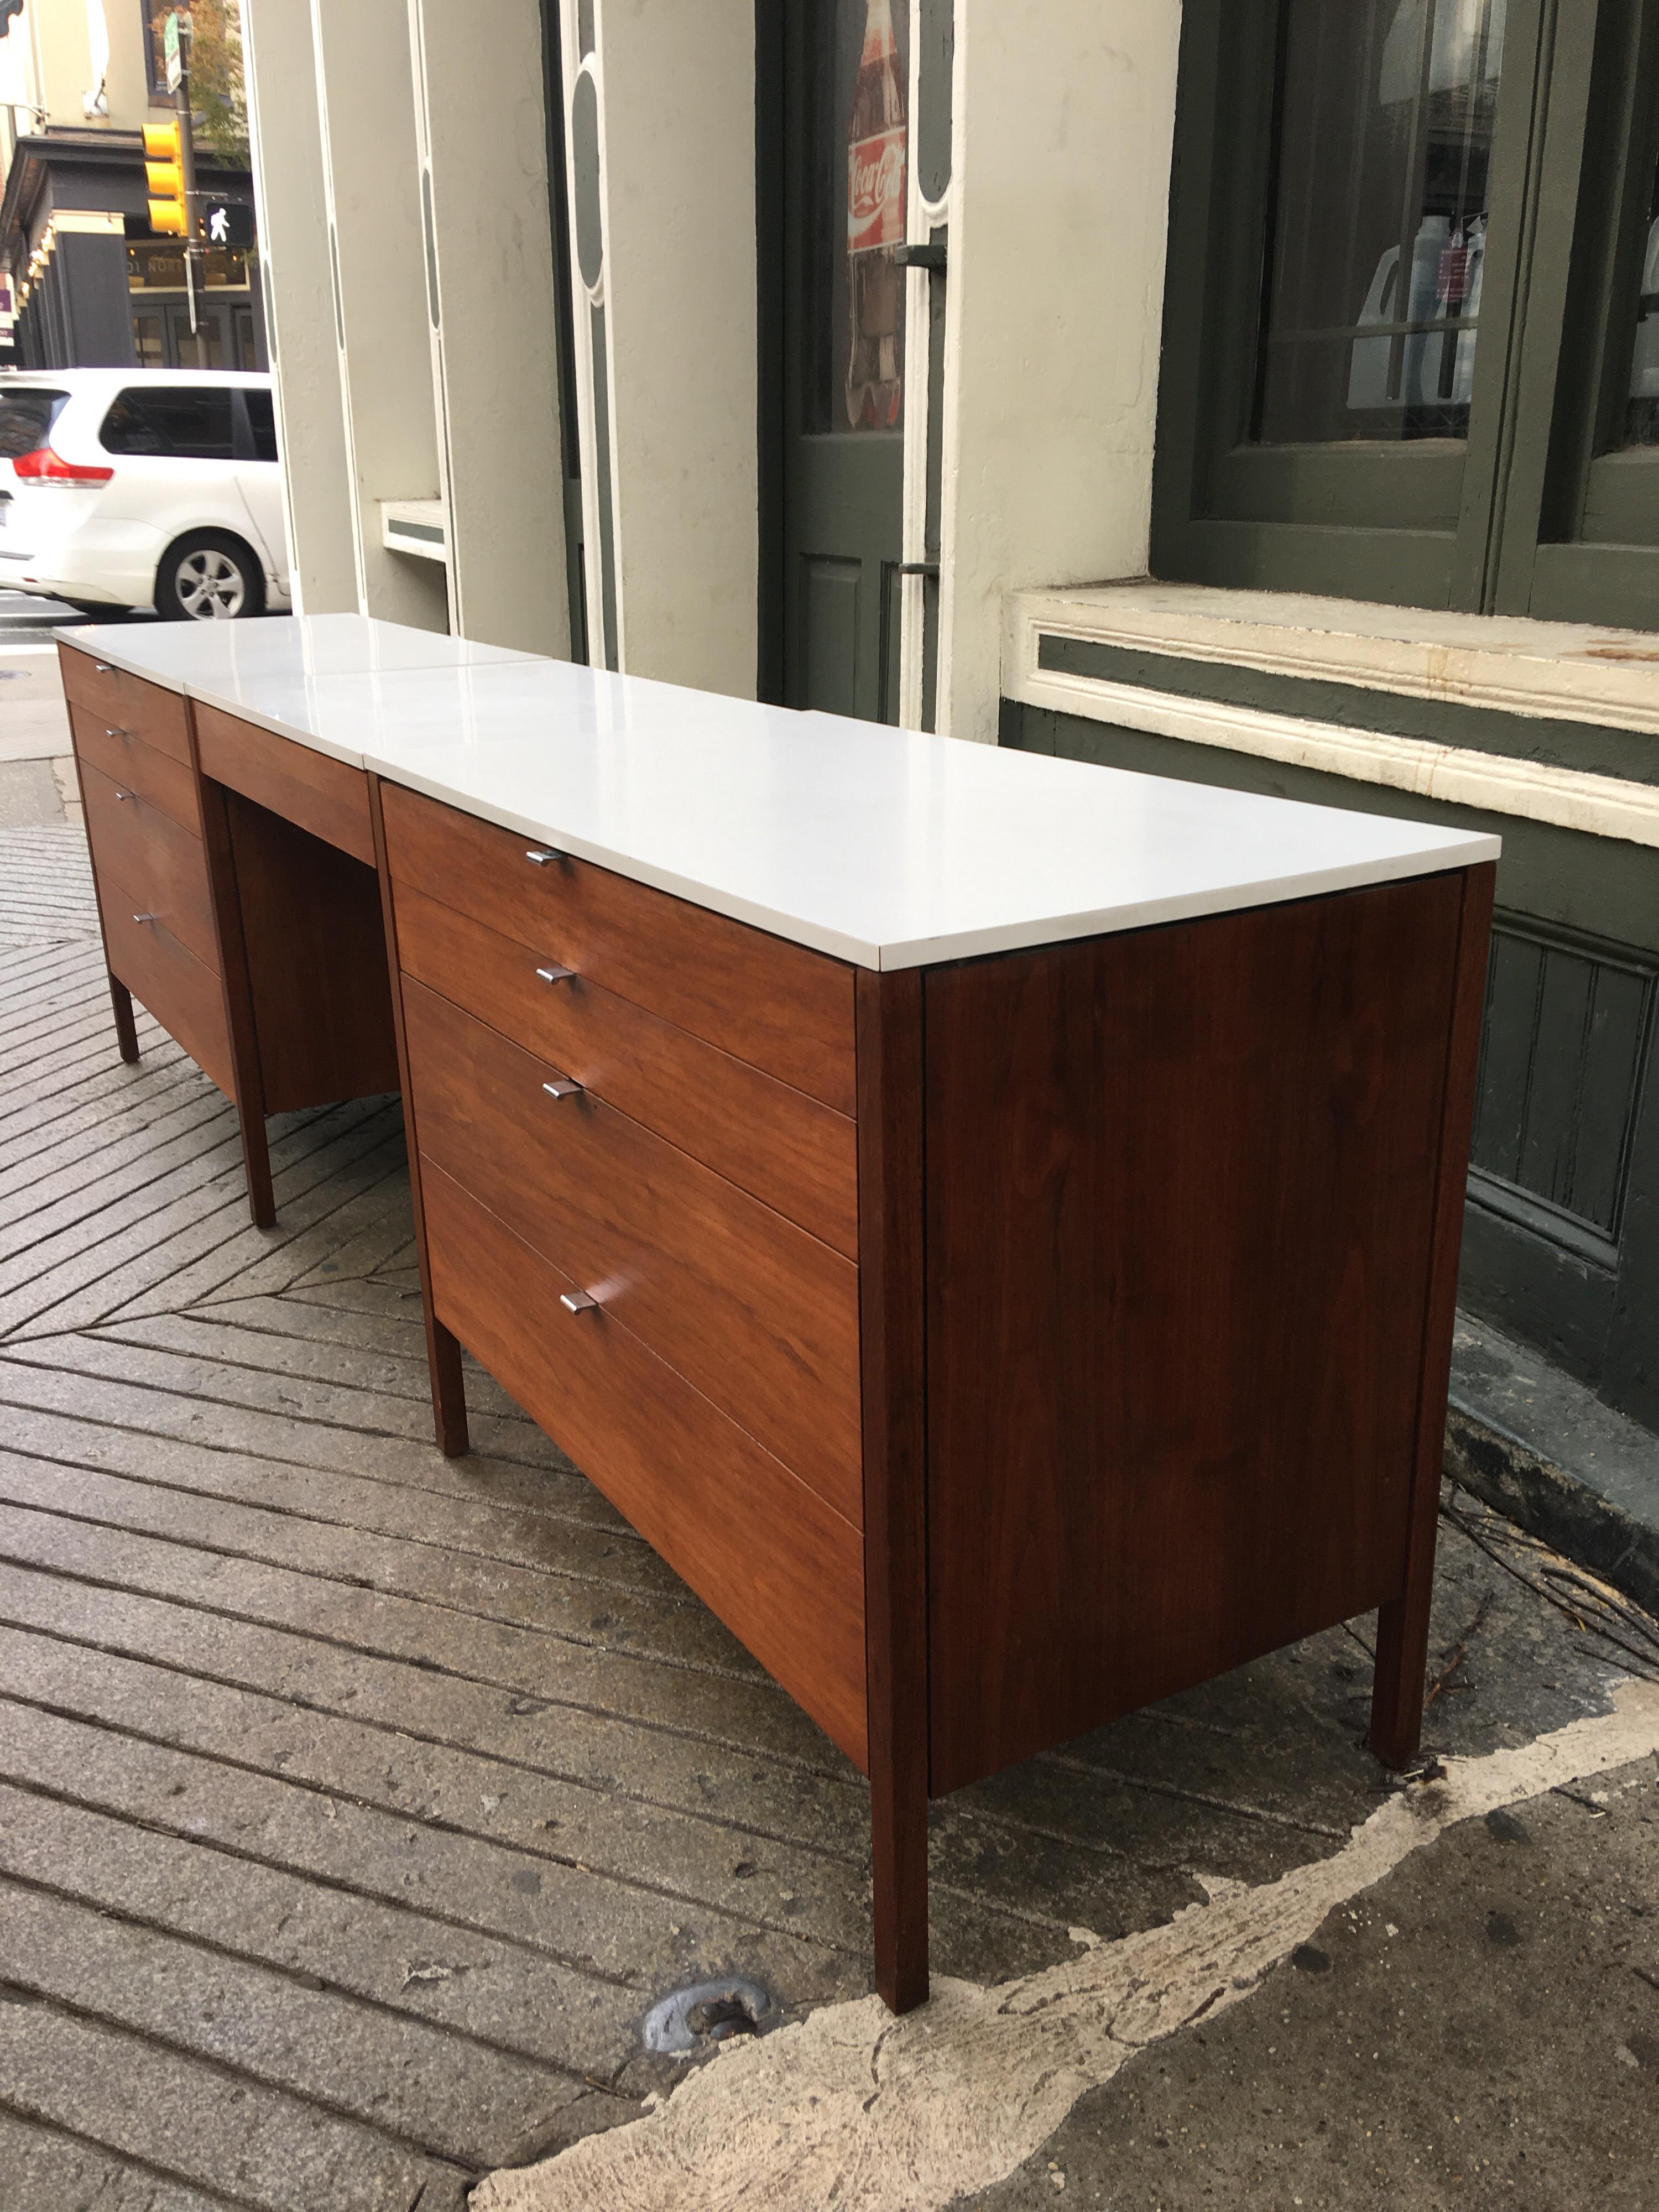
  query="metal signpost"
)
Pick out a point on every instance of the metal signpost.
point(175, 49)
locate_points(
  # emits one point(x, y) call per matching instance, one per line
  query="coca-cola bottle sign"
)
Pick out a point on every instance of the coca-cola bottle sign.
point(877, 147)
point(875, 191)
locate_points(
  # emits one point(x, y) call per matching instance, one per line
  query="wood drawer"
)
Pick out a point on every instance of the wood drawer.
point(780, 1569)
point(125, 703)
point(163, 866)
point(760, 1317)
point(162, 778)
point(185, 997)
point(760, 997)
point(796, 1155)
point(324, 796)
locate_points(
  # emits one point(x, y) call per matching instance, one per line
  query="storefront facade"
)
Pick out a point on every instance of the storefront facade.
point(94, 288)
point(821, 351)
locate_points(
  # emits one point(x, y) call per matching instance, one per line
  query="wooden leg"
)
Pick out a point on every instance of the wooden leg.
point(255, 1160)
point(890, 1354)
point(898, 1867)
point(126, 1029)
point(443, 1356)
point(246, 1073)
point(1402, 1626)
point(443, 1352)
point(1399, 1683)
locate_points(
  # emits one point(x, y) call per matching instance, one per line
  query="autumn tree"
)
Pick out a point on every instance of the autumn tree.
point(218, 103)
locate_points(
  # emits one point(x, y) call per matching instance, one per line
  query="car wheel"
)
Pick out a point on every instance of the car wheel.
point(209, 576)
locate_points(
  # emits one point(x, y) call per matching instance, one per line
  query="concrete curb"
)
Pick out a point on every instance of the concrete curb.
point(1552, 1503)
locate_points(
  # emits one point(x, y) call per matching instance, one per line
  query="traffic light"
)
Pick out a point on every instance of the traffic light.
point(165, 176)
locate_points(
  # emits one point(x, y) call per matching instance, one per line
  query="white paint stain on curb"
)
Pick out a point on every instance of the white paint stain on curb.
point(854, 2108)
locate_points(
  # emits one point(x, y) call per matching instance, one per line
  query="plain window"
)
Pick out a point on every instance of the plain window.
point(262, 421)
point(1410, 334)
point(184, 422)
point(1376, 248)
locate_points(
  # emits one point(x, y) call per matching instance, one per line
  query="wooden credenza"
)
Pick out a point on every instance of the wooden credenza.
point(997, 1340)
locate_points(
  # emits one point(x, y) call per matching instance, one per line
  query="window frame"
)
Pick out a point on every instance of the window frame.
point(1516, 517)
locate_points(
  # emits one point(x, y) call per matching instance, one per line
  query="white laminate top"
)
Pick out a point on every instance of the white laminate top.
point(191, 655)
point(883, 846)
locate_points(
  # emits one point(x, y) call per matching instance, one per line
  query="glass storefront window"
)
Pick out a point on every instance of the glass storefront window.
point(1378, 219)
point(1642, 415)
point(161, 268)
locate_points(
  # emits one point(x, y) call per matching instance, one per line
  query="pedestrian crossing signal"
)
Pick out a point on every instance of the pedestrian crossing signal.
point(164, 174)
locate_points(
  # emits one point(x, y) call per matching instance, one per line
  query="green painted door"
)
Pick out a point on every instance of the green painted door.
point(845, 158)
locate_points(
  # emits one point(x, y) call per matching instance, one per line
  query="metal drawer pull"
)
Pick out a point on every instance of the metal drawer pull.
point(146, 917)
point(556, 974)
point(576, 1301)
point(115, 733)
point(562, 1090)
point(124, 795)
point(103, 667)
point(542, 859)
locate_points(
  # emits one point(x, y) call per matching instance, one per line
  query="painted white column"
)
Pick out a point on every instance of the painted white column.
point(481, 128)
point(1061, 133)
point(286, 136)
point(373, 192)
point(677, 122)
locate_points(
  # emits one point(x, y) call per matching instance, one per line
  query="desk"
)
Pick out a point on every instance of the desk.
point(990, 1223)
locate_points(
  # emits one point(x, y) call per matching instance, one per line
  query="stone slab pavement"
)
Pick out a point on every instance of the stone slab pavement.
point(38, 788)
point(355, 1805)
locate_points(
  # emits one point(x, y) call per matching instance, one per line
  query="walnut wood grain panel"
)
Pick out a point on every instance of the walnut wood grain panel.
point(793, 1153)
point(758, 1315)
point(185, 996)
point(779, 1566)
point(316, 962)
point(1180, 1191)
point(146, 711)
point(161, 864)
point(166, 781)
point(758, 997)
point(327, 797)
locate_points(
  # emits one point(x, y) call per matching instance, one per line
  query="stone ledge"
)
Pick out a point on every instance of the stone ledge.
point(1571, 671)
point(1553, 677)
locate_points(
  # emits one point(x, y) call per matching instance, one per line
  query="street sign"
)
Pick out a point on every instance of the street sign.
point(171, 52)
point(228, 222)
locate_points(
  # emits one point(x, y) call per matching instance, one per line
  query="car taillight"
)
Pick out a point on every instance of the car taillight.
point(43, 466)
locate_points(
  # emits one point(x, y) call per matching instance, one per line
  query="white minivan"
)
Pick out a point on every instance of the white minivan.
point(143, 487)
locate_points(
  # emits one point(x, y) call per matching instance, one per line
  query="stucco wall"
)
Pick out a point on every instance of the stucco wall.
point(1061, 140)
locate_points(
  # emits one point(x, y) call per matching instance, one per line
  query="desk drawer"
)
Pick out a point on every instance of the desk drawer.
point(784, 1572)
point(162, 778)
point(125, 703)
point(757, 1315)
point(187, 997)
point(163, 866)
point(327, 797)
point(769, 1002)
point(796, 1155)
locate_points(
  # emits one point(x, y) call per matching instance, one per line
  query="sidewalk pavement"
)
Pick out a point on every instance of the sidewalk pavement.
point(37, 763)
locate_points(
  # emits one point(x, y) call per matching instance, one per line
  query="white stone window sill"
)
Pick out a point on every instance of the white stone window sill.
point(1566, 672)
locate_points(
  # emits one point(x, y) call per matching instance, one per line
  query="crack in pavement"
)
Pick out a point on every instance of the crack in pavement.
point(971, 2085)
